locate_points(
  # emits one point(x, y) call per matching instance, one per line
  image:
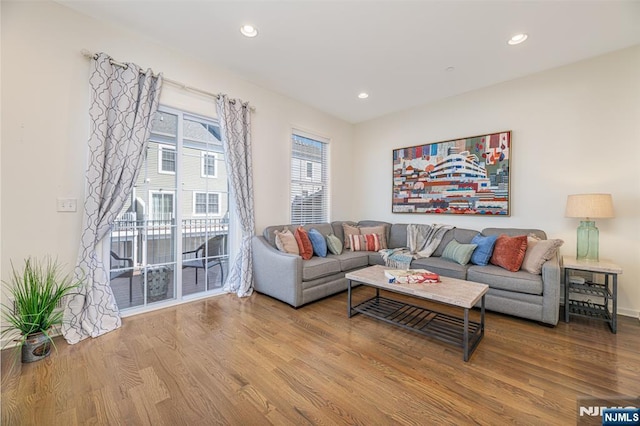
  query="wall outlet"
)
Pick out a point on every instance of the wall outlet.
point(67, 204)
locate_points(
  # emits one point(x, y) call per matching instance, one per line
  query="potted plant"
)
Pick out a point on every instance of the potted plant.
point(37, 291)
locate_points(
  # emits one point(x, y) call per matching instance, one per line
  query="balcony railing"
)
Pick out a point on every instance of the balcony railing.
point(149, 242)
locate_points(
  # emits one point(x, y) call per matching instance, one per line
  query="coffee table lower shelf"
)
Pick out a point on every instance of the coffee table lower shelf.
point(458, 331)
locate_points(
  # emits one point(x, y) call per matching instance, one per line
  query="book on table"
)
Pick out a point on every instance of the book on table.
point(411, 276)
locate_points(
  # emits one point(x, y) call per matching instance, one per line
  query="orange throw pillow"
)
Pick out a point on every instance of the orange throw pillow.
point(508, 252)
point(304, 243)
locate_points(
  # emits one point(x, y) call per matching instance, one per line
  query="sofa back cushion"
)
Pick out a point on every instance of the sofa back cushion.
point(514, 232)
point(461, 235)
point(337, 228)
point(269, 232)
point(397, 235)
point(371, 223)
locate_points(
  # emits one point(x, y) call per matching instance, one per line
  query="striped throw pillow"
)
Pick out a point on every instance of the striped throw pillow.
point(368, 242)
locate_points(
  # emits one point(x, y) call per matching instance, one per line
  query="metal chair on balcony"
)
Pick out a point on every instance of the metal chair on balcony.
point(211, 253)
point(123, 273)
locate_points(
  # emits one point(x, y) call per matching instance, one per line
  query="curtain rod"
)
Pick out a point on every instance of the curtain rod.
point(176, 83)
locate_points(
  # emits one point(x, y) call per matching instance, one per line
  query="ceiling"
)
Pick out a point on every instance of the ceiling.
point(323, 53)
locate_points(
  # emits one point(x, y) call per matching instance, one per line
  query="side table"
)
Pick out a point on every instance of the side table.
point(602, 292)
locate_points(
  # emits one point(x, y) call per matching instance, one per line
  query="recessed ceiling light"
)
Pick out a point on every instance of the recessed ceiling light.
point(517, 39)
point(249, 31)
point(363, 95)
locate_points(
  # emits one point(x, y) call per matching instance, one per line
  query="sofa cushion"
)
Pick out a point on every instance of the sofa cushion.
point(482, 253)
point(318, 267)
point(334, 245)
point(375, 223)
point(368, 242)
point(304, 243)
point(461, 235)
point(318, 242)
point(286, 242)
point(338, 231)
point(538, 252)
point(509, 252)
point(348, 230)
point(499, 278)
point(441, 266)
point(459, 253)
point(352, 259)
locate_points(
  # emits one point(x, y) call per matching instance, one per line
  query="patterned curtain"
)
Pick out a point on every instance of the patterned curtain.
point(235, 131)
point(124, 100)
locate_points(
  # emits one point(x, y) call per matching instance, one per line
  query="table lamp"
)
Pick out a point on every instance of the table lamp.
point(588, 207)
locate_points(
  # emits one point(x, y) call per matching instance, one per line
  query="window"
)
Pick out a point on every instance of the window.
point(161, 206)
point(206, 203)
point(166, 159)
point(309, 180)
point(208, 165)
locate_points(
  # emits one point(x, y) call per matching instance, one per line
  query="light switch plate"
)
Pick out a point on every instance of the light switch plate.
point(67, 204)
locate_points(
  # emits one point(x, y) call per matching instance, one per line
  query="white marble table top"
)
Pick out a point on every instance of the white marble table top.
point(452, 291)
point(602, 265)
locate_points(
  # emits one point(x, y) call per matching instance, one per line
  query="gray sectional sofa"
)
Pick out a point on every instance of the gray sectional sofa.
point(297, 282)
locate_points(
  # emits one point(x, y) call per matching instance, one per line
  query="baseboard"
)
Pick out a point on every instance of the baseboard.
point(629, 313)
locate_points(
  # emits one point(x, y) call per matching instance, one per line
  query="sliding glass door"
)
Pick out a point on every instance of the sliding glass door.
point(170, 240)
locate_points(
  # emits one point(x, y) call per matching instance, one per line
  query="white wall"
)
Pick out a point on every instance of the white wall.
point(45, 101)
point(576, 129)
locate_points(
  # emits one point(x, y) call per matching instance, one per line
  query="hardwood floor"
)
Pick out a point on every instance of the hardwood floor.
point(257, 361)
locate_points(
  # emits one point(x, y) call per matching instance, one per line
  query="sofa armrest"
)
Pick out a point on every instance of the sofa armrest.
point(275, 273)
point(551, 290)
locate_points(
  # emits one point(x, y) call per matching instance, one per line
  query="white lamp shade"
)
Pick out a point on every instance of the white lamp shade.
point(590, 206)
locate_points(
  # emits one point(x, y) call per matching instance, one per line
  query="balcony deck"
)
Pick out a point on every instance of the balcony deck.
point(120, 286)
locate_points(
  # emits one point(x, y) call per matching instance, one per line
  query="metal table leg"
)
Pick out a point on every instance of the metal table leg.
point(465, 336)
point(349, 298)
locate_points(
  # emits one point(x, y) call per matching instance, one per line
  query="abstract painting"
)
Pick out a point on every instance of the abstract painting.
point(461, 176)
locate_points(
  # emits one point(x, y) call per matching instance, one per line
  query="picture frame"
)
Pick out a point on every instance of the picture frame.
point(468, 176)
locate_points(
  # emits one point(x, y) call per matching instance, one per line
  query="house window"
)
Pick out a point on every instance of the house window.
point(206, 203)
point(161, 206)
point(166, 159)
point(309, 178)
point(208, 165)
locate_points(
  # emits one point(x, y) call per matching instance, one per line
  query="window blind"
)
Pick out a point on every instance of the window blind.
point(309, 180)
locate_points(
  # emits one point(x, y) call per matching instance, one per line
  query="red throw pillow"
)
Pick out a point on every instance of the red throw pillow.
point(304, 243)
point(509, 252)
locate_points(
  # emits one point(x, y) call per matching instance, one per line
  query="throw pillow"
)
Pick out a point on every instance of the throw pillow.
point(334, 244)
point(304, 244)
point(509, 252)
point(460, 253)
point(286, 242)
point(349, 230)
point(369, 242)
point(538, 252)
point(381, 230)
point(318, 242)
point(482, 253)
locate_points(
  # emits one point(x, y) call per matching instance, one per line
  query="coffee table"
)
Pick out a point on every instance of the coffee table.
point(450, 291)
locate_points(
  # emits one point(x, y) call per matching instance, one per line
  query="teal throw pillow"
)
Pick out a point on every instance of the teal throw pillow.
point(334, 244)
point(460, 253)
point(318, 242)
point(483, 252)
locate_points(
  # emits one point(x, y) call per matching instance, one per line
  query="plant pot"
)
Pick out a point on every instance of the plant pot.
point(36, 347)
